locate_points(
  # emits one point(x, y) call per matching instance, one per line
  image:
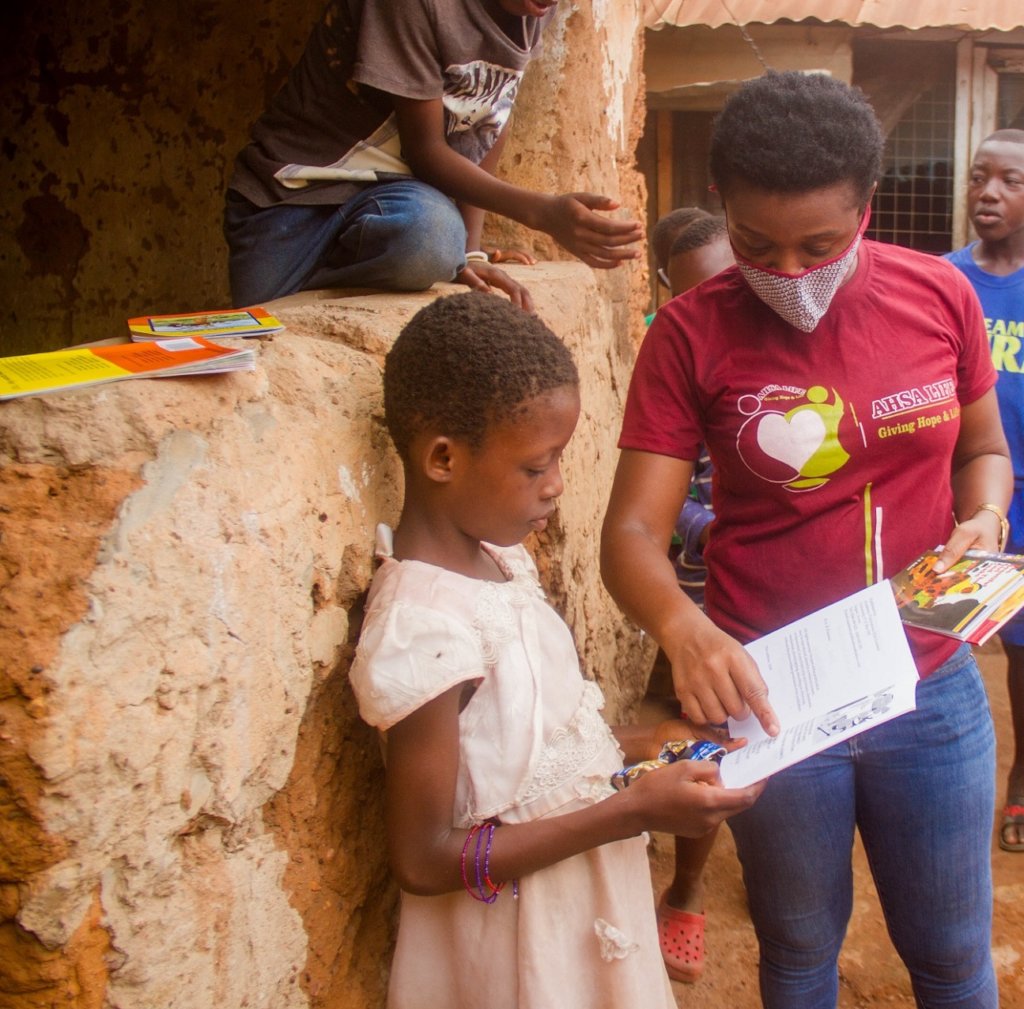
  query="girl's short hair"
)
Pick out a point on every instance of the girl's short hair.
point(791, 132)
point(465, 362)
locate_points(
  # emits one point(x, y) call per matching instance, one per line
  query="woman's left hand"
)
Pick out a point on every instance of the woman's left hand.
point(486, 277)
point(980, 532)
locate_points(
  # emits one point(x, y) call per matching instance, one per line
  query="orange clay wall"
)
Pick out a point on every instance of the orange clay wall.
point(189, 805)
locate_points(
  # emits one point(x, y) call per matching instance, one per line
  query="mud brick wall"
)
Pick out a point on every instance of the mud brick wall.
point(189, 805)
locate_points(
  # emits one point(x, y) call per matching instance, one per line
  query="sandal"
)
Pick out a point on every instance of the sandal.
point(681, 937)
point(1013, 817)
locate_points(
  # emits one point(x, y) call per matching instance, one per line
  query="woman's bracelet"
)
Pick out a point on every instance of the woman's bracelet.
point(477, 256)
point(1004, 525)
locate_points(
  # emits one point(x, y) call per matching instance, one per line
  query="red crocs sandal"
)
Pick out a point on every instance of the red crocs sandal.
point(681, 937)
point(1013, 816)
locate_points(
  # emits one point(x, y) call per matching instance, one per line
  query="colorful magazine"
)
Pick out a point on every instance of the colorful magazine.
point(970, 601)
point(216, 325)
point(77, 367)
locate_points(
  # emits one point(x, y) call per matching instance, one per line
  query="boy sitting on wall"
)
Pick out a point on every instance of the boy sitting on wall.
point(373, 165)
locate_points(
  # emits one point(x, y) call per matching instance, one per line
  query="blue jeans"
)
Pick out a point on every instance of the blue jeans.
point(920, 789)
point(399, 236)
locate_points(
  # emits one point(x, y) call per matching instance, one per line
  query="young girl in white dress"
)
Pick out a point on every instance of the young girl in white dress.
point(524, 874)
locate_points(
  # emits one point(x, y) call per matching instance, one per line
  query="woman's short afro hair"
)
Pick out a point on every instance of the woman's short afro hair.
point(791, 132)
point(465, 362)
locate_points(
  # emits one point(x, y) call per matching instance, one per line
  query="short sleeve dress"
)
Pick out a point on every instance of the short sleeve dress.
point(582, 933)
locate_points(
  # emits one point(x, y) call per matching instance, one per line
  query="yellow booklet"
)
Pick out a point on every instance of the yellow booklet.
point(215, 325)
point(31, 374)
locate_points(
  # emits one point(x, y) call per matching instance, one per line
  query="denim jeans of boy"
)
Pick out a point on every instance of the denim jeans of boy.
point(397, 236)
point(921, 790)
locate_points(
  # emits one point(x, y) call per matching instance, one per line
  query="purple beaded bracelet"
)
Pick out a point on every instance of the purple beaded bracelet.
point(483, 878)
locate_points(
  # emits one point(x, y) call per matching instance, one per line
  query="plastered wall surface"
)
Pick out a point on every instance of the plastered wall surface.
point(193, 805)
point(189, 804)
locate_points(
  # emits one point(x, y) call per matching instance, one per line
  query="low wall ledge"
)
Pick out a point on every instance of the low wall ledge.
point(192, 807)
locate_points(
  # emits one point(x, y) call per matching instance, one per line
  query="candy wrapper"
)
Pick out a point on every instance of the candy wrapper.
point(682, 749)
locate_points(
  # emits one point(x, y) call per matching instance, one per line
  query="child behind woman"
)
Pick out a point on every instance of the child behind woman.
point(524, 874)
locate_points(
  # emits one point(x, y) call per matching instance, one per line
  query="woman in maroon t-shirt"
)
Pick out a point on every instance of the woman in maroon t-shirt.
point(844, 391)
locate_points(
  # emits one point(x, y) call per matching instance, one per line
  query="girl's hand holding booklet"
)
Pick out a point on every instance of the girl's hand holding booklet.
point(970, 601)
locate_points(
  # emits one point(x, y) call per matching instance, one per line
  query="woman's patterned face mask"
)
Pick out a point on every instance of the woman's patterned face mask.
point(803, 299)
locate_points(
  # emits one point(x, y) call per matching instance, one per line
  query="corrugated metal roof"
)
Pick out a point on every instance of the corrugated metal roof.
point(1001, 15)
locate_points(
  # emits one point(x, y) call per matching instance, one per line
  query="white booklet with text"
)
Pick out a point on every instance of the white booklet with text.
point(831, 675)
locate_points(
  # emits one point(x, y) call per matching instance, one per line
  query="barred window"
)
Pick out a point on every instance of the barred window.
point(914, 202)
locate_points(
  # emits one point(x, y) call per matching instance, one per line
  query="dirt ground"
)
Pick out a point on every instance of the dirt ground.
point(870, 972)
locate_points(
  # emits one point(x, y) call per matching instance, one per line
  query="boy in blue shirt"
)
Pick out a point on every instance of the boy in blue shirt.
point(995, 267)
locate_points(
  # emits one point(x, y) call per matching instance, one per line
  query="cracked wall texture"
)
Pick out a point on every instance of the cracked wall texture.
point(189, 805)
point(192, 805)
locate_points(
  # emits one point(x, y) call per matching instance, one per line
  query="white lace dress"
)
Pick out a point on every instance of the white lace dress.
point(582, 934)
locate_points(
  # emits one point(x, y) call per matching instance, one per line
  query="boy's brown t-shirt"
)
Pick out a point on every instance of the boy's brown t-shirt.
point(332, 127)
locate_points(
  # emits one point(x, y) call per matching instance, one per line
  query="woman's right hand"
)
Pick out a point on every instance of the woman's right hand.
point(687, 798)
point(712, 673)
point(714, 677)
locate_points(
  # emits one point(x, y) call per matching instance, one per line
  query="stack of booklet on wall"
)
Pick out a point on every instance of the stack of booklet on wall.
point(970, 601)
point(216, 325)
point(77, 367)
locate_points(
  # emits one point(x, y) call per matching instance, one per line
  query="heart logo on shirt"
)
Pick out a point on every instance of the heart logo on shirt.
point(791, 441)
